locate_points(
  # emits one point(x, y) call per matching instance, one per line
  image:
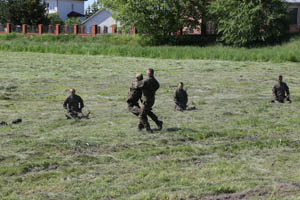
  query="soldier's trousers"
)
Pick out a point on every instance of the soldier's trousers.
point(180, 107)
point(146, 110)
point(73, 114)
point(282, 99)
point(137, 110)
point(134, 109)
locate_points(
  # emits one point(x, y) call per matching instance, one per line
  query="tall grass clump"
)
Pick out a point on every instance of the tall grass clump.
point(139, 46)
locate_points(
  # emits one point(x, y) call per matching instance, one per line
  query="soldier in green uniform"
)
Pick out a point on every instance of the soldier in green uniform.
point(149, 88)
point(281, 91)
point(134, 96)
point(74, 105)
point(181, 99)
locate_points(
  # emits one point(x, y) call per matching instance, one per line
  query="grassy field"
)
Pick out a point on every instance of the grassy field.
point(235, 146)
point(138, 46)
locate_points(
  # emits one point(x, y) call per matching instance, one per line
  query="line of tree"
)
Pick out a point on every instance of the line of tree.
point(23, 12)
point(237, 22)
point(93, 8)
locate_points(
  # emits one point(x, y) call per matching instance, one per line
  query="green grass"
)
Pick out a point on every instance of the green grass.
point(138, 46)
point(236, 145)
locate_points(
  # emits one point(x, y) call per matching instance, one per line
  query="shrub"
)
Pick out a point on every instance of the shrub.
point(249, 22)
point(55, 19)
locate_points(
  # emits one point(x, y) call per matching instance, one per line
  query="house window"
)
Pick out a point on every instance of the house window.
point(293, 16)
point(52, 6)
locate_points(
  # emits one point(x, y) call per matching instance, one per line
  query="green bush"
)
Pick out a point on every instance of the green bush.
point(248, 23)
point(55, 19)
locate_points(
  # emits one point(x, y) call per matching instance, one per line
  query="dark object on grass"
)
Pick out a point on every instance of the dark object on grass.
point(77, 115)
point(181, 99)
point(281, 92)
point(17, 121)
point(3, 123)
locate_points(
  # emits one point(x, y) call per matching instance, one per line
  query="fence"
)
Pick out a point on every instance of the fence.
point(60, 29)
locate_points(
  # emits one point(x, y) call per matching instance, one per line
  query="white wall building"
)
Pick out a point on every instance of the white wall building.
point(101, 18)
point(66, 8)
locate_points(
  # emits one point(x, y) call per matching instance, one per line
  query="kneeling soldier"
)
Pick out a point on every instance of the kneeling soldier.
point(181, 99)
point(281, 91)
point(74, 105)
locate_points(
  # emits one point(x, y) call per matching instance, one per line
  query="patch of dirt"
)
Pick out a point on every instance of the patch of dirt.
point(280, 189)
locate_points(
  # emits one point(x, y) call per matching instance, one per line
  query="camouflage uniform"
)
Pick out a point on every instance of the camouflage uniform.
point(281, 92)
point(180, 99)
point(149, 88)
point(134, 95)
point(74, 105)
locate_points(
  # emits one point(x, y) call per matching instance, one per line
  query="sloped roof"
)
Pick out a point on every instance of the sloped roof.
point(75, 14)
point(293, 1)
point(91, 17)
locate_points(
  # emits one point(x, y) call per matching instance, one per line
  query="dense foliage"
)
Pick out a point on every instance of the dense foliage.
point(55, 19)
point(23, 12)
point(161, 19)
point(248, 22)
point(73, 20)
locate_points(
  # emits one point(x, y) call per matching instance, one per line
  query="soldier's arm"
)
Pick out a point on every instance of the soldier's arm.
point(287, 90)
point(81, 103)
point(187, 98)
point(175, 97)
point(274, 91)
point(140, 84)
point(66, 104)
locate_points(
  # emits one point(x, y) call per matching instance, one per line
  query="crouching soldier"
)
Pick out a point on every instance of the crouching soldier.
point(281, 91)
point(181, 99)
point(74, 105)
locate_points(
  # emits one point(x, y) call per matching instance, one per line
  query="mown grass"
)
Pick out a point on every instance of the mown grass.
point(138, 46)
point(236, 145)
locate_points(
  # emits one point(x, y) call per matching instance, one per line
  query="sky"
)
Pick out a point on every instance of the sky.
point(88, 3)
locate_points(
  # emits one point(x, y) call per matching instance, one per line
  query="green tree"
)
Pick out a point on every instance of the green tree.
point(73, 20)
point(95, 7)
point(159, 18)
point(30, 12)
point(249, 22)
point(88, 12)
point(3, 12)
point(55, 19)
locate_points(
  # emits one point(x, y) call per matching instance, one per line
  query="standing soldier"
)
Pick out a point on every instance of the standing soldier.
point(74, 105)
point(281, 91)
point(149, 88)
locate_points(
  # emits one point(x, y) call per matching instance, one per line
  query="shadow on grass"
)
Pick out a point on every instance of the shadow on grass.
point(181, 129)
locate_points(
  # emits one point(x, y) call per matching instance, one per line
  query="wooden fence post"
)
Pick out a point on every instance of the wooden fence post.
point(57, 31)
point(24, 28)
point(113, 29)
point(133, 30)
point(82, 29)
point(94, 30)
point(8, 28)
point(40, 29)
point(75, 29)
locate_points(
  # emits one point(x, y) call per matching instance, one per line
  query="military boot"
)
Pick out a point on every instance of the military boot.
point(159, 125)
point(141, 127)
